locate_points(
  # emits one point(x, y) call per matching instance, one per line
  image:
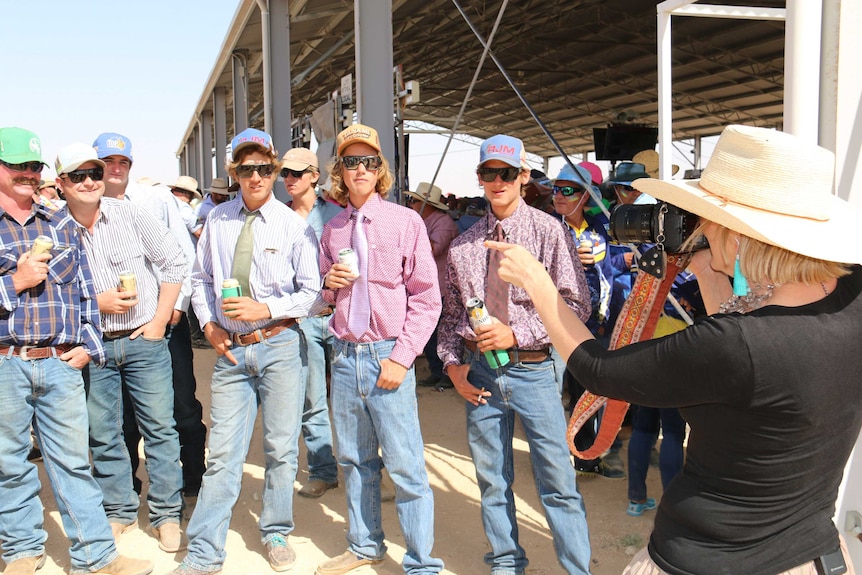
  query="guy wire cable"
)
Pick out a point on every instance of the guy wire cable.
point(475, 79)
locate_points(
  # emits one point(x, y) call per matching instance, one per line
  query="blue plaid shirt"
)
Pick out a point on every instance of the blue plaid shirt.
point(61, 310)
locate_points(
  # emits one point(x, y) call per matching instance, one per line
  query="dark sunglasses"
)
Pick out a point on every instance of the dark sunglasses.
point(295, 173)
point(246, 170)
point(567, 190)
point(370, 162)
point(488, 175)
point(627, 188)
point(25, 167)
point(78, 176)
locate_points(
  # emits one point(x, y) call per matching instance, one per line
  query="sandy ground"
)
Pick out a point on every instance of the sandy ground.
point(459, 537)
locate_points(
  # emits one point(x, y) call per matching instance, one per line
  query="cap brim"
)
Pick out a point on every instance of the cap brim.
point(75, 165)
point(835, 239)
point(505, 159)
point(298, 166)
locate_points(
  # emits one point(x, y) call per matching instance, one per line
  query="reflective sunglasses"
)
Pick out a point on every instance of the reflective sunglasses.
point(370, 162)
point(35, 167)
point(488, 175)
point(78, 176)
point(567, 190)
point(246, 170)
point(295, 173)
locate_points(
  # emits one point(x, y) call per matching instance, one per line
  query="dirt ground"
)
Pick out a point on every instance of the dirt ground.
point(459, 537)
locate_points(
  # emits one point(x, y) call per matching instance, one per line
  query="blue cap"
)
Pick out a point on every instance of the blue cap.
point(506, 149)
point(567, 174)
point(250, 137)
point(627, 172)
point(111, 144)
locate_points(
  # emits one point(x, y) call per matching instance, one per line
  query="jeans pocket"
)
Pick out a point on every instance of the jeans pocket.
point(535, 367)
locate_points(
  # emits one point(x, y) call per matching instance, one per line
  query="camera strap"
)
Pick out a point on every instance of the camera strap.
point(637, 321)
point(654, 261)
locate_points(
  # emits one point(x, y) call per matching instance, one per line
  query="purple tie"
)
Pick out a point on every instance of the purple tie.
point(496, 290)
point(360, 309)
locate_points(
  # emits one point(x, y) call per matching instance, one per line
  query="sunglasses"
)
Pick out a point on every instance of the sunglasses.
point(626, 188)
point(35, 167)
point(488, 175)
point(295, 173)
point(78, 176)
point(246, 170)
point(567, 190)
point(370, 162)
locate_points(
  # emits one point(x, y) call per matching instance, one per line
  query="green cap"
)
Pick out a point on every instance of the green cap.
point(18, 145)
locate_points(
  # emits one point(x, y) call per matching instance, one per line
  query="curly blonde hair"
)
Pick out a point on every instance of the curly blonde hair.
point(340, 193)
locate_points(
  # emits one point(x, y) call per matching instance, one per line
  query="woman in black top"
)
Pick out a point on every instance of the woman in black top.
point(770, 382)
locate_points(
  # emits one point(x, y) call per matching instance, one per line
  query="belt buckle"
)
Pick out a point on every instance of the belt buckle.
point(22, 352)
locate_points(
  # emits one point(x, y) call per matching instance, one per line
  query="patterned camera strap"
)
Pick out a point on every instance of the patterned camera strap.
point(637, 321)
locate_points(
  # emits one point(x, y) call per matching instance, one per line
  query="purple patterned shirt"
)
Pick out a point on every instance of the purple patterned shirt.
point(402, 278)
point(542, 235)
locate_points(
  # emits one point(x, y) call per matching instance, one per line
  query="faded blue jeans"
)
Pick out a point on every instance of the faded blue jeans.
point(50, 394)
point(270, 374)
point(530, 391)
point(144, 367)
point(316, 429)
point(369, 419)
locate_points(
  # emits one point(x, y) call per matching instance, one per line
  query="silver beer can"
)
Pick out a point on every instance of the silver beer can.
point(348, 257)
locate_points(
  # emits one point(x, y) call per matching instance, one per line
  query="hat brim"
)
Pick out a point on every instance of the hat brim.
point(438, 205)
point(835, 239)
point(195, 193)
point(75, 165)
point(298, 166)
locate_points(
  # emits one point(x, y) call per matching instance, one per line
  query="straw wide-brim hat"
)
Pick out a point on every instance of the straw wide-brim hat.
point(649, 160)
point(432, 193)
point(773, 187)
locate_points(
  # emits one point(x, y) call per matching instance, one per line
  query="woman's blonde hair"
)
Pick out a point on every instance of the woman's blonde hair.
point(340, 193)
point(764, 264)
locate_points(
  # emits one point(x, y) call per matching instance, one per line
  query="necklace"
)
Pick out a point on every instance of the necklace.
point(755, 299)
point(825, 291)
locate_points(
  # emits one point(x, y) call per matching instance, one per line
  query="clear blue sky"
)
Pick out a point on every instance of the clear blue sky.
point(72, 69)
point(75, 68)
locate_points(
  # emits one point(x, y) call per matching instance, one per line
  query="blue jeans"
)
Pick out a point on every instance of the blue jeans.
point(530, 391)
point(188, 412)
point(269, 374)
point(143, 366)
point(645, 427)
point(316, 429)
point(367, 419)
point(50, 394)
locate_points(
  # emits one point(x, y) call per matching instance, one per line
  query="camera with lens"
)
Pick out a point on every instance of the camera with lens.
point(659, 223)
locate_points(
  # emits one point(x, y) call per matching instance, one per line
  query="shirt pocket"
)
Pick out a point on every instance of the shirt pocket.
point(129, 259)
point(63, 265)
point(387, 266)
point(8, 261)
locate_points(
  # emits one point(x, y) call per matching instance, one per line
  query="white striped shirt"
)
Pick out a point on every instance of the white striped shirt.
point(284, 272)
point(127, 238)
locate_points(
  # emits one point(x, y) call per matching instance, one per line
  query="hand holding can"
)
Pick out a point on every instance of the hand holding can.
point(478, 315)
point(41, 245)
point(128, 283)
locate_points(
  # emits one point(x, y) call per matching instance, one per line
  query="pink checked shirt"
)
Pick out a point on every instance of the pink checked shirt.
point(402, 277)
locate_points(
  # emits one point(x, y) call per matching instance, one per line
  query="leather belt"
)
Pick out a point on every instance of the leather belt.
point(111, 335)
point(517, 355)
point(259, 335)
point(28, 352)
point(326, 312)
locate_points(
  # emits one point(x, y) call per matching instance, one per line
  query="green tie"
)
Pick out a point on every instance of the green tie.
point(244, 250)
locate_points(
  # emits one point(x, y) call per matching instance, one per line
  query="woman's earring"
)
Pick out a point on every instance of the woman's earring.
point(740, 284)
